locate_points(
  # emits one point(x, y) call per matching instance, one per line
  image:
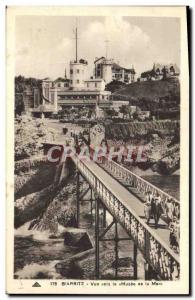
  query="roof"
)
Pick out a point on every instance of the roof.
point(160, 67)
point(47, 79)
point(80, 61)
point(132, 71)
point(61, 79)
point(148, 73)
point(97, 59)
point(117, 66)
point(167, 66)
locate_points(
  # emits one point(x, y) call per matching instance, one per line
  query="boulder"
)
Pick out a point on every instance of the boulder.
point(85, 264)
point(80, 240)
point(123, 273)
point(31, 206)
point(123, 262)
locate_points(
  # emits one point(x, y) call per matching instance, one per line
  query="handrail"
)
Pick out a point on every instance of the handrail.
point(155, 250)
point(145, 181)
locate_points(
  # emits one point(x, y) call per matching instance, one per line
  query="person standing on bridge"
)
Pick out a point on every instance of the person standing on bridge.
point(169, 210)
point(148, 206)
point(157, 209)
point(174, 235)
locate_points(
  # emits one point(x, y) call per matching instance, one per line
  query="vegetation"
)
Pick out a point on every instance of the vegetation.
point(111, 113)
point(151, 89)
point(115, 85)
point(29, 135)
point(161, 98)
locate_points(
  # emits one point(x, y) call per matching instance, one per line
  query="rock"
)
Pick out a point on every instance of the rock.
point(78, 239)
point(123, 273)
point(60, 212)
point(53, 237)
point(34, 180)
point(70, 270)
point(29, 135)
point(85, 263)
point(31, 206)
point(67, 217)
point(123, 262)
point(67, 267)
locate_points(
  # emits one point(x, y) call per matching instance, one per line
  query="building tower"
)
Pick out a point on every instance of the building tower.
point(103, 67)
point(78, 69)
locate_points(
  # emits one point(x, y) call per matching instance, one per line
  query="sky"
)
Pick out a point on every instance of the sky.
point(44, 45)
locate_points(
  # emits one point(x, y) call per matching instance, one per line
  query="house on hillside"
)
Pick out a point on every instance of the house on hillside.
point(160, 71)
point(108, 70)
point(122, 74)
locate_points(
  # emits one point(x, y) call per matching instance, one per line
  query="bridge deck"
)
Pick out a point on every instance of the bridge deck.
point(129, 200)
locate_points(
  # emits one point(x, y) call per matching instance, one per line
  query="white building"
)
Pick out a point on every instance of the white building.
point(108, 70)
point(95, 85)
point(78, 90)
point(78, 74)
point(103, 69)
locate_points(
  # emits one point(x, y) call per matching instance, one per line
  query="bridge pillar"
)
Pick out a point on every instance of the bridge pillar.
point(77, 199)
point(80, 197)
point(134, 261)
point(91, 202)
point(116, 250)
point(149, 272)
point(97, 259)
point(104, 217)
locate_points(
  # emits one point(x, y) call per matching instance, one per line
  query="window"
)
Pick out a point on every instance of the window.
point(59, 85)
point(70, 81)
point(71, 71)
point(36, 99)
point(52, 97)
point(77, 80)
point(47, 93)
point(95, 84)
point(87, 84)
point(77, 71)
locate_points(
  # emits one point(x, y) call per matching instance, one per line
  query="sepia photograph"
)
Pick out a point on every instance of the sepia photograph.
point(98, 147)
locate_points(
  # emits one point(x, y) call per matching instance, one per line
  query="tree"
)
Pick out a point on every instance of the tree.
point(164, 71)
point(111, 113)
point(124, 109)
point(19, 105)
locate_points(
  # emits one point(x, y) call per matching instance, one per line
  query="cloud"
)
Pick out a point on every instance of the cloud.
point(45, 48)
point(125, 40)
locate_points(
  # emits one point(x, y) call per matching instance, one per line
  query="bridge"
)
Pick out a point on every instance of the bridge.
point(120, 192)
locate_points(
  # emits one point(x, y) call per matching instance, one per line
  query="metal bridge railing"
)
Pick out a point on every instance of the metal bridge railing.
point(155, 251)
point(140, 184)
